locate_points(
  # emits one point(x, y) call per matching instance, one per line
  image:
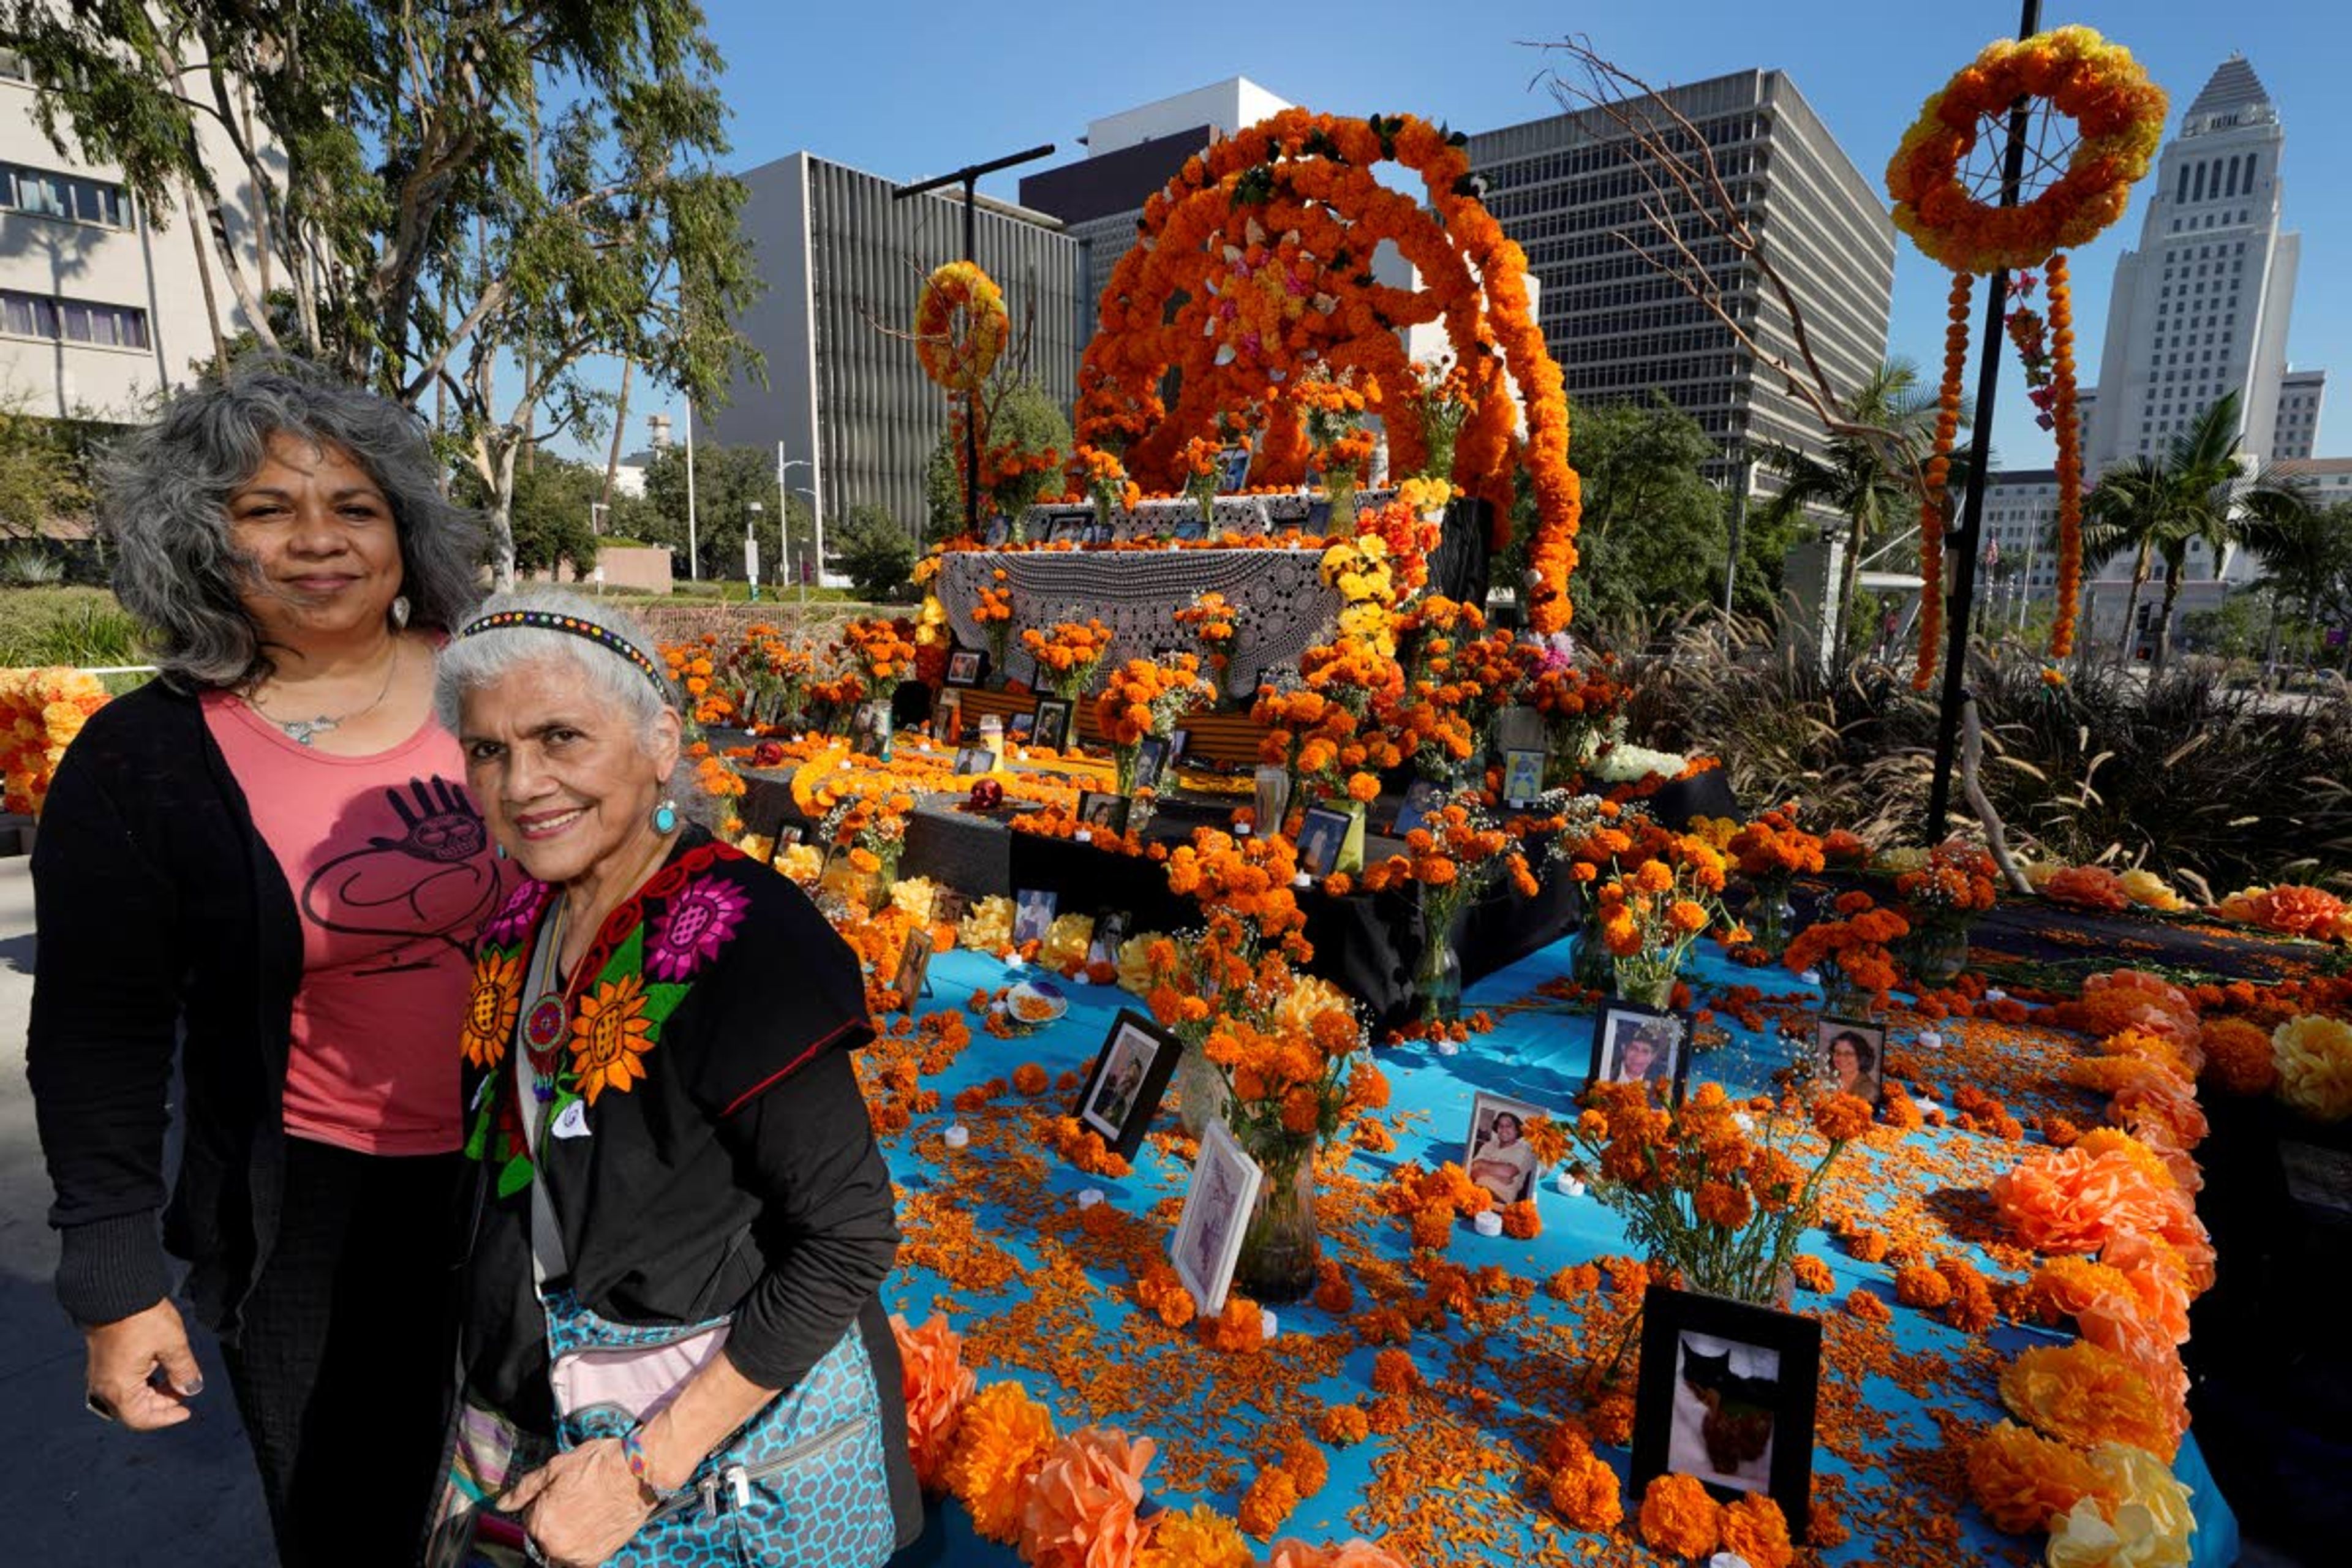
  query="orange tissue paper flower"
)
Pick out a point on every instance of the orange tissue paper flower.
point(2083, 1395)
point(1678, 1518)
point(1080, 1511)
point(2023, 1481)
point(937, 1383)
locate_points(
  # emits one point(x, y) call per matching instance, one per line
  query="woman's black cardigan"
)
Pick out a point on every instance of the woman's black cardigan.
point(158, 905)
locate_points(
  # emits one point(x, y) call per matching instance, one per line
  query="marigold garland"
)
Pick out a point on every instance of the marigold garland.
point(1932, 480)
point(2069, 460)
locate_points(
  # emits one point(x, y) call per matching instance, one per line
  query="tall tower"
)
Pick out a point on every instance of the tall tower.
point(2200, 308)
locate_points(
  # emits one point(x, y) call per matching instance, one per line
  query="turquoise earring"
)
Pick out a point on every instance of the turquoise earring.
point(666, 816)
point(501, 851)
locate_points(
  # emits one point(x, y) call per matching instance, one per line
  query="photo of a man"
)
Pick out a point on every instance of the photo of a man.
point(1633, 1045)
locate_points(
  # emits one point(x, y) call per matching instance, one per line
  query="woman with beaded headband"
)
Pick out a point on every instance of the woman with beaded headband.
point(673, 1342)
point(264, 864)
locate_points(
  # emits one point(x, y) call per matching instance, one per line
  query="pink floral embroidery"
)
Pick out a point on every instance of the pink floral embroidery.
point(691, 929)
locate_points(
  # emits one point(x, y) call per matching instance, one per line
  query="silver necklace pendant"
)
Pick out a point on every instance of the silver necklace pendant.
point(302, 732)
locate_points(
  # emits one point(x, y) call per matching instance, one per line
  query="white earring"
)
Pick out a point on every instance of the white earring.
point(399, 612)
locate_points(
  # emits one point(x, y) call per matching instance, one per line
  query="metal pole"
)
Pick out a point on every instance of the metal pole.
point(1739, 481)
point(972, 397)
point(1961, 543)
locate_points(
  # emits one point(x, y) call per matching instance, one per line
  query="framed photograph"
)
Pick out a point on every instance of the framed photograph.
point(1850, 1057)
point(1320, 835)
point(1019, 726)
point(1630, 1043)
point(1727, 1395)
point(869, 730)
point(1495, 1152)
point(1053, 724)
point(1124, 1086)
point(913, 982)
point(1421, 798)
point(1216, 1214)
point(1152, 757)
point(1070, 526)
point(1176, 744)
point(1100, 808)
point(1522, 778)
point(1033, 914)
point(1110, 932)
point(788, 835)
point(972, 760)
point(947, 717)
point(966, 666)
point(1232, 469)
point(996, 531)
point(1190, 526)
point(948, 906)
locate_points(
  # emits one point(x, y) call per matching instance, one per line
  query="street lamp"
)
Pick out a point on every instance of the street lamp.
point(785, 518)
point(751, 547)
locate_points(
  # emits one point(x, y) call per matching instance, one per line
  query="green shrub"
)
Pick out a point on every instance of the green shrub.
point(81, 627)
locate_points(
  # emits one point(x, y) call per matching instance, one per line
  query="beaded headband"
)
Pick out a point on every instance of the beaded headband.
point(550, 621)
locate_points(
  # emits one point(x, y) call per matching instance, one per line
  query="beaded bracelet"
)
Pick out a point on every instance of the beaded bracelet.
point(633, 1449)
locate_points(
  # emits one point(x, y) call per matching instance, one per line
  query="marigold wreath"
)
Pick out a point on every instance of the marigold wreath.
point(961, 326)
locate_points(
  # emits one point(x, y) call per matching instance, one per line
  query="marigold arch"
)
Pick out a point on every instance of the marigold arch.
point(1254, 266)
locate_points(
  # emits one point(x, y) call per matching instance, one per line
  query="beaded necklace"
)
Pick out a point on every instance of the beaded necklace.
point(543, 1025)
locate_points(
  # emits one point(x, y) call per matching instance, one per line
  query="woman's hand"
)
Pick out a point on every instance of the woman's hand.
point(580, 1507)
point(124, 1356)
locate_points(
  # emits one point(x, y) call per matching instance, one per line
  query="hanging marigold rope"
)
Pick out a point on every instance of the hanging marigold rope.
point(2069, 460)
point(961, 326)
point(1934, 484)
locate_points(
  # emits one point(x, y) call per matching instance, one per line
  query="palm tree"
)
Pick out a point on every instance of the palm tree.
point(2197, 492)
point(2306, 553)
point(1867, 474)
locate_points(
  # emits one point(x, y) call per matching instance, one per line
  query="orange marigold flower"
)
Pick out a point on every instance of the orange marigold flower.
point(1586, 1494)
point(1842, 1118)
point(1678, 1518)
point(1865, 1305)
point(1754, 1528)
point(1921, 1286)
point(1271, 1499)
point(1722, 1204)
point(1198, 1537)
point(1343, 1425)
point(1812, 1273)
point(2238, 1057)
point(1520, 1221)
point(1307, 1467)
point(1000, 1443)
point(1611, 1419)
point(1393, 1372)
point(1030, 1078)
point(936, 1383)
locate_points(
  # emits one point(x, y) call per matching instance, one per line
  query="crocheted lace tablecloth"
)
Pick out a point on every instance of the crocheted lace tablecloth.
point(1281, 607)
point(1180, 516)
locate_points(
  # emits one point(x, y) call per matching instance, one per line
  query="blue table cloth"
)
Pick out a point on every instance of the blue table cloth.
point(995, 1243)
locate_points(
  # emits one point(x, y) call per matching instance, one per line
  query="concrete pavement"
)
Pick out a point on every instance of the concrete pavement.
point(76, 1491)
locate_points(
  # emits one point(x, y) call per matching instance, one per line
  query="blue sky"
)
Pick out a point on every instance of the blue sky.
point(909, 89)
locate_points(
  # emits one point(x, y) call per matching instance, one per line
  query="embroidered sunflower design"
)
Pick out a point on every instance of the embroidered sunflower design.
point(610, 1037)
point(491, 1009)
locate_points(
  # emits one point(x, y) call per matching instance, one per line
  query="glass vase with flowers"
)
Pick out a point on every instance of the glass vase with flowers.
point(1852, 954)
point(1664, 892)
point(1941, 901)
point(1068, 653)
point(1143, 699)
point(1452, 860)
point(1770, 854)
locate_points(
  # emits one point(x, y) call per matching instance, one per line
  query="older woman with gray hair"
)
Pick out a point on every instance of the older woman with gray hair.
point(264, 864)
point(674, 1345)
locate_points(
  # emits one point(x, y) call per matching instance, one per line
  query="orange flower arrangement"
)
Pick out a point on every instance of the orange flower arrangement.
point(1951, 891)
point(1678, 1518)
point(2291, 910)
point(1210, 623)
point(2088, 887)
point(1145, 698)
point(1068, 653)
point(1663, 895)
point(1852, 950)
point(1261, 208)
point(41, 712)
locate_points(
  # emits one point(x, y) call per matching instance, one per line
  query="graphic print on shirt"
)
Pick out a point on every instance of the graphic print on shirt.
point(417, 875)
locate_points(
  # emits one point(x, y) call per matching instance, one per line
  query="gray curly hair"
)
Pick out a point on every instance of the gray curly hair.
point(163, 495)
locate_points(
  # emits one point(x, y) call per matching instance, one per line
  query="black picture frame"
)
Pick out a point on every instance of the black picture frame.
point(912, 982)
point(966, 666)
point(1485, 1109)
point(1322, 833)
point(789, 835)
point(1110, 933)
point(1151, 761)
point(1052, 723)
point(1027, 924)
point(1703, 1356)
point(1827, 1030)
point(1522, 778)
point(1232, 468)
point(1615, 1019)
point(1421, 798)
point(947, 717)
point(1100, 808)
point(1124, 1086)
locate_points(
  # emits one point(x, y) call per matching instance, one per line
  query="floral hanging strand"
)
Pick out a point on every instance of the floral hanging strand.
point(1939, 471)
point(2069, 460)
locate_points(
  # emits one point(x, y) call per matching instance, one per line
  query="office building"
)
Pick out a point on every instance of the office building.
point(844, 264)
point(1566, 187)
point(2300, 392)
point(2200, 308)
point(100, 309)
point(1130, 155)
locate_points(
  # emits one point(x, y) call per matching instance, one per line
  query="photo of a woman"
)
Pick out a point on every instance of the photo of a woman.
point(1846, 1058)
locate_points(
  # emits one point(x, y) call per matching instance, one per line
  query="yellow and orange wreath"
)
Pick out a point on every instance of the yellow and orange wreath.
point(2119, 121)
point(1254, 264)
point(961, 326)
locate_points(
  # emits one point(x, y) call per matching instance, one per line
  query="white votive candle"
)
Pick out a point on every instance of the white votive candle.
point(1302, 880)
point(1089, 1196)
point(1488, 1224)
point(1268, 1323)
point(1931, 1040)
point(1449, 1047)
point(1083, 836)
point(1810, 977)
point(956, 1135)
point(1995, 993)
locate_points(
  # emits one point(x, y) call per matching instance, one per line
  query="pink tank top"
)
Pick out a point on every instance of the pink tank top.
point(393, 875)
